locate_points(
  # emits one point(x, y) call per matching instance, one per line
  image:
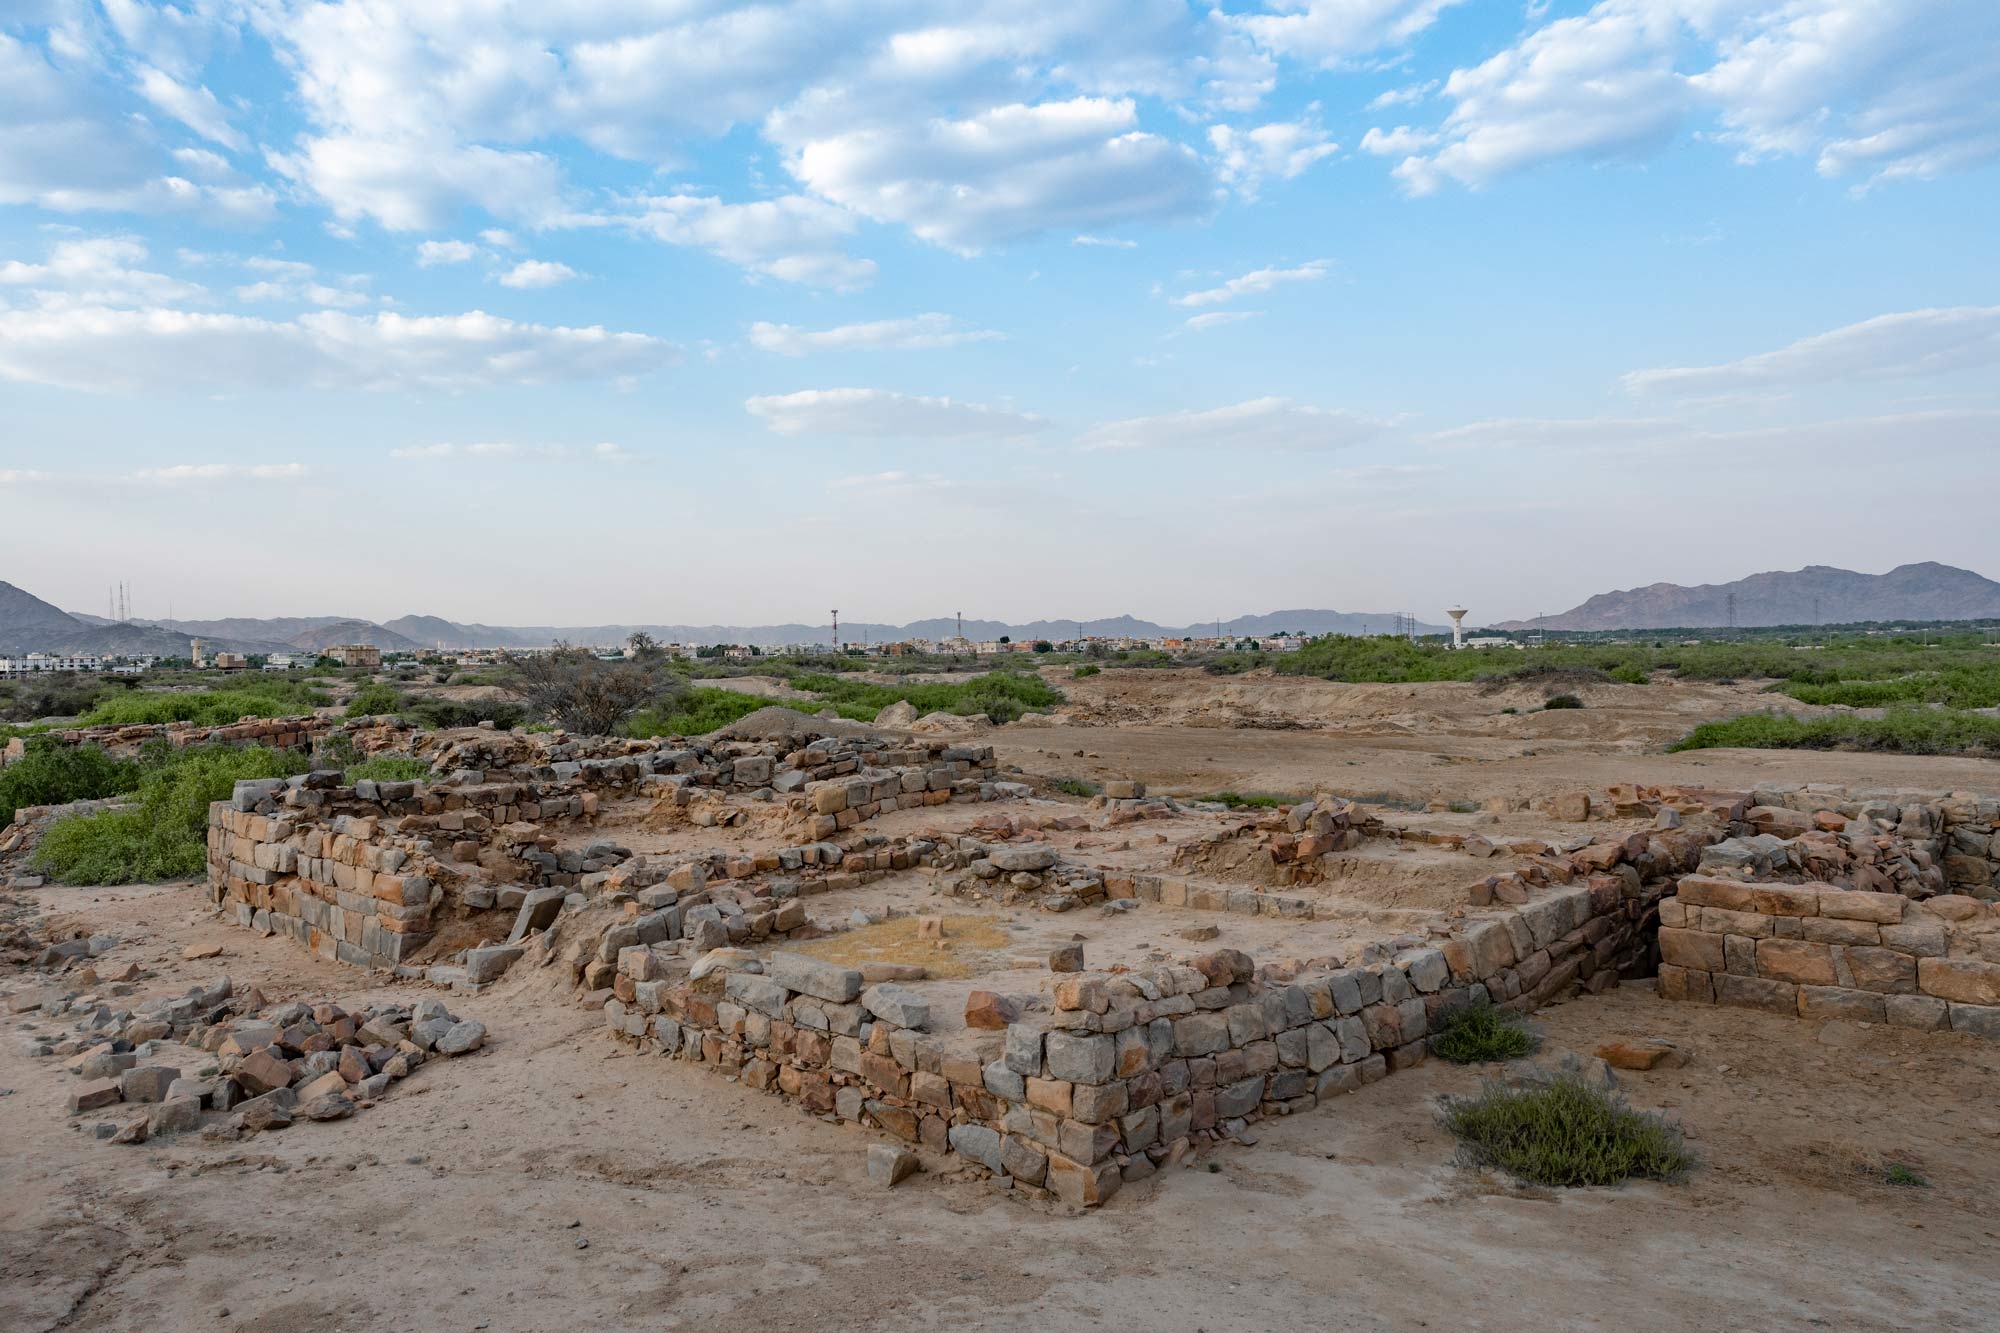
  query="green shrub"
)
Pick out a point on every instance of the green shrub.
point(1250, 801)
point(1566, 1133)
point(706, 708)
point(443, 714)
point(1001, 695)
point(1901, 731)
point(164, 836)
point(1074, 787)
point(52, 773)
point(388, 768)
point(1087, 669)
point(261, 697)
point(1555, 701)
point(1479, 1033)
point(375, 699)
point(1901, 1173)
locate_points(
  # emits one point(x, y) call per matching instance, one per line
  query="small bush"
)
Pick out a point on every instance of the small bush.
point(52, 773)
point(1087, 669)
point(1074, 787)
point(1556, 701)
point(1479, 1033)
point(165, 836)
point(1251, 801)
point(375, 700)
point(1901, 1173)
point(388, 768)
point(1902, 731)
point(1566, 1133)
point(261, 697)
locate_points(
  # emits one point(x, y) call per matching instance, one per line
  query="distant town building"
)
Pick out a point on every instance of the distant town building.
point(356, 655)
point(35, 662)
point(278, 662)
point(230, 662)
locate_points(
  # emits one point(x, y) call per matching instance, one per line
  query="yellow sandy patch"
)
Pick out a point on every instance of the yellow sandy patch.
point(963, 950)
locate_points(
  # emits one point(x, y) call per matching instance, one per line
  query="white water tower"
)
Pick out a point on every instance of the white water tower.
point(1457, 614)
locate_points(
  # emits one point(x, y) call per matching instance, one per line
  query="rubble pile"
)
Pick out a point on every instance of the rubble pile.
point(226, 1061)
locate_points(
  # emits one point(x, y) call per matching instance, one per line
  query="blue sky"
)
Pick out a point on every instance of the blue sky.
point(665, 310)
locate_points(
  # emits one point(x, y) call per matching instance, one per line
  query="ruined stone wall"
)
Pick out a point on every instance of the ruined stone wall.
point(1916, 844)
point(280, 733)
point(1129, 1067)
point(1821, 951)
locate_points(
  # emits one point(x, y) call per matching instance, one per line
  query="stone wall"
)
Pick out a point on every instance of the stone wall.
point(1915, 844)
point(280, 733)
point(1129, 1069)
point(1821, 951)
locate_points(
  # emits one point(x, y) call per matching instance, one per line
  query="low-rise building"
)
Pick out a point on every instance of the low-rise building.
point(356, 655)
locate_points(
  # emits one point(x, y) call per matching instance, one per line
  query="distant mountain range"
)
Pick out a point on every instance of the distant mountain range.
point(1817, 594)
point(28, 624)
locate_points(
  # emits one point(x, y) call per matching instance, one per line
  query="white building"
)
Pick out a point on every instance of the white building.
point(33, 662)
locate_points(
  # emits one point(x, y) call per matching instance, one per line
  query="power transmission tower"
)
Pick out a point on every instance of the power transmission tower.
point(1732, 613)
point(836, 629)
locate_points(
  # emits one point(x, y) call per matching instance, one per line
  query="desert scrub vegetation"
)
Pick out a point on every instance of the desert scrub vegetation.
point(1088, 669)
point(264, 697)
point(1566, 1132)
point(51, 773)
point(1074, 786)
point(1560, 701)
point(1001, 695)
point(375, 699)
point(581, 692)
point(1481, 1033)
point(162, 835)
point(1900, 731)
point(388, 768)
point(1255, 800)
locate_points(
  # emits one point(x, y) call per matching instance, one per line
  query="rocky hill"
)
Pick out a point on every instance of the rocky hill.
point(1817, 594)
point(29, 624)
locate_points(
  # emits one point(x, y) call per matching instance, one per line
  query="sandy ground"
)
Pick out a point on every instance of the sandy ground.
point(460, 1202)
point(555, 1180)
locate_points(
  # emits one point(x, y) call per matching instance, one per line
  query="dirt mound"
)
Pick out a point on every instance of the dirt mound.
point(787, 724)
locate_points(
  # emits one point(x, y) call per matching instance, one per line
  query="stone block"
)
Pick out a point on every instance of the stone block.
point(890, 1165)
point(1777, 997)
point(1840, 1002)
point(1960, 980)
point(811, 976)
point(1796, 961)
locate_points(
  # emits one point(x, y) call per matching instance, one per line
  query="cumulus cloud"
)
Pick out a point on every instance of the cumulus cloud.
point(1878, 89)
point(101, 348)
point(61, 149)
point(430, 254)
point(792, 238)
point(1908, 345)
point(530, 273)
point(1397, 142)
point(1258, 280)
point(1261, 423)
point(100, 270)
point(1283, 149)
point(913, 332)
point(1005, 173)
point(876, 413)
point(195, 107)
point(190, 472)
point(1217, 318)
point(1107, 242)
point(1333, 32)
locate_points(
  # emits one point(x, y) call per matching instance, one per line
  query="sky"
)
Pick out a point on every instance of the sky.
point(682, 312)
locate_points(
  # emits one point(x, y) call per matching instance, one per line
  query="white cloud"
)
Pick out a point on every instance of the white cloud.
point(605, 452)
point(1880, 89)
point(1332, 32)
point(1398, 142)
point(195, 107)
point(98, 348)
point(530, 273)
point(1406, 96)
point(912, 332)
point(1889, 347)
point(192, 472)
point(1107, 242)
point(96, 271)
point(61, 149)
point(418, 183)
point(1005, 173)
point(430, 254)
point(1218, 318)
point(1259, 280)
point(1593, 433)
point(1283, 149)
point(876, 413)
point(792, 238)
point(1261, 423)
